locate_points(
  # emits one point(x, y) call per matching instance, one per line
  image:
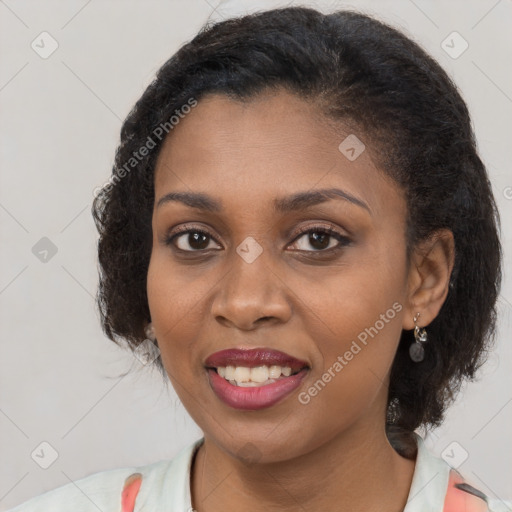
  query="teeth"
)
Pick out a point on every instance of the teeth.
point(274, 372)
point(259, 374)
point(230, 373)
point(286, 371)
point(242, 374)
point(252, 384)
point(250, 377)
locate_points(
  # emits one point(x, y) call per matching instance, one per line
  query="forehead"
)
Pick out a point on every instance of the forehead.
point(272, 145)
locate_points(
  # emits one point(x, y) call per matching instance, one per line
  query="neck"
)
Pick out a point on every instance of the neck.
point(355, 470)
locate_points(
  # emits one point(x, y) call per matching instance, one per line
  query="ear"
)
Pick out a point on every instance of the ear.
point(429, 278)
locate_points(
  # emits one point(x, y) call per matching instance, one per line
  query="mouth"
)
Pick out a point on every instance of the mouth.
point(253, 379)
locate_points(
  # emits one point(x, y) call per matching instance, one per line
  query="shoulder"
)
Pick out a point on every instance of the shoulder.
point(99, 491)
point(437, 486)
point(461, 495)
point(107, 490)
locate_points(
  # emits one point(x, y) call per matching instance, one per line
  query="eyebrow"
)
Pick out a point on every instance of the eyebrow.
point(291, 203)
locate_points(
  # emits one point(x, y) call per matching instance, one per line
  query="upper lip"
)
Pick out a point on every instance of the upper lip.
point(253, 357)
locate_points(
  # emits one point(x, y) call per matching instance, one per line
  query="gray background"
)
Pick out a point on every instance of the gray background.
point(61, 115)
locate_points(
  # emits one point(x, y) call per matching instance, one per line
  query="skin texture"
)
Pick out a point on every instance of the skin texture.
point(294, 297)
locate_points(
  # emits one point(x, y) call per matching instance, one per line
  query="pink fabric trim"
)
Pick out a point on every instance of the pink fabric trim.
point(130, 490)
point(458, 500)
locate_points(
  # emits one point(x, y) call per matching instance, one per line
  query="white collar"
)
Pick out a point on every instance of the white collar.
point(427, 492)
point(429, 481)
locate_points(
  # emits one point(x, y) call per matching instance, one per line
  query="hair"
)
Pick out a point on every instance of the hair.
point(363, 73)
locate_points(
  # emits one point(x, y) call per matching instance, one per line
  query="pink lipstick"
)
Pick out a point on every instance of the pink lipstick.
point(253, 379)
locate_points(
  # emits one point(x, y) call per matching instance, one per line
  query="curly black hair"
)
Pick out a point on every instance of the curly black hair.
point(361, 72)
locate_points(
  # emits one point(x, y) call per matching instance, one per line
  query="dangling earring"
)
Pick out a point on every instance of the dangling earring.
point(417, 350)
point(150, 332)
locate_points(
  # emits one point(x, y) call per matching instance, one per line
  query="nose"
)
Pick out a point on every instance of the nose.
point(251, 294)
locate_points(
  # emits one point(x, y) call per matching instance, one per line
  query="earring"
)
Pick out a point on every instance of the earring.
point(150, 332)
point(417, 350)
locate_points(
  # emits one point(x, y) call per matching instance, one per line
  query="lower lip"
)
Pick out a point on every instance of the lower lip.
point(254, 398)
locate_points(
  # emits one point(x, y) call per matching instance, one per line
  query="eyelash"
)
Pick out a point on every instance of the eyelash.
point(330, 230)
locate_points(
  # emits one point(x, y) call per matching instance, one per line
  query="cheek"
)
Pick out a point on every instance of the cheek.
point(355, 318)
point(356, 352)
point(348, 301)
point(356, 345)
point(174, 306)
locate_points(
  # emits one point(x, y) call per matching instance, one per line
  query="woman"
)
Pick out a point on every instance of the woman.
point(299, 221)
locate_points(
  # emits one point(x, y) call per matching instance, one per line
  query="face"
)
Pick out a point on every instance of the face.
point(321, 278)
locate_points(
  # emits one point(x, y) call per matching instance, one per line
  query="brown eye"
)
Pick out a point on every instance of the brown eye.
point(317, 239)
point(192, 240)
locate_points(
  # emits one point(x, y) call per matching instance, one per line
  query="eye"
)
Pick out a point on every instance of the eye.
point(320, 239)
point(192, 240)
point(309, 239)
